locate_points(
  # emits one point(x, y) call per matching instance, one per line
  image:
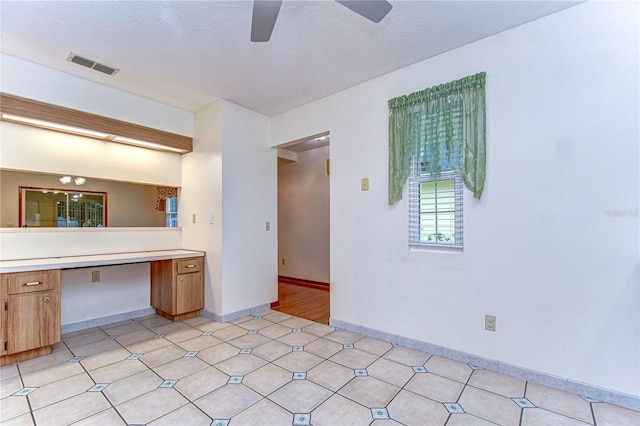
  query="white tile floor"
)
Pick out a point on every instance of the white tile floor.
point(270, 369)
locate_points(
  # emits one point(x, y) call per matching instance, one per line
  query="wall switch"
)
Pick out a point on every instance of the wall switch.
point(490, 322)
point(365, 184)
point(193, 218)
point(267, 226)
point(210, 217)
point(95, 276)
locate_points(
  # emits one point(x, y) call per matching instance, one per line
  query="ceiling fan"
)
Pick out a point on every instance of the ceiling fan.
point(265, 13)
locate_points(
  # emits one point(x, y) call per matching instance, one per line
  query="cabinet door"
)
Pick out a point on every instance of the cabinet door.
point(189, 292)
point(33, 320)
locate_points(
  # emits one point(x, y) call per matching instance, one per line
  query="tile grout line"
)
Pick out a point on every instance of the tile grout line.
point(524, 395)
point(33, 418)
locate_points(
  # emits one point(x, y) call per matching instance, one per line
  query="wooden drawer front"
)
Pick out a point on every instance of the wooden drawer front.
point(27, 282)
point(186, 266)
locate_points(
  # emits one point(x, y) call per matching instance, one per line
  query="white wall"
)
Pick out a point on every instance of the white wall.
point(201, 195)
point(54, 152)
point(249, 195)
point(542, 250)
point(36, 243)
point(303, 217)
point(122, 289)
point(232, 174)
point(64, 154)
point(33, 81)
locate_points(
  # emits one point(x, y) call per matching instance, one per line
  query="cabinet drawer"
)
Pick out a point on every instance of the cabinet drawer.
point(193, 264)
point(27, 282)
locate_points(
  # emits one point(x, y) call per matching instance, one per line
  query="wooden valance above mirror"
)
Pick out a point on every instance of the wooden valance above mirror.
point(34, 113)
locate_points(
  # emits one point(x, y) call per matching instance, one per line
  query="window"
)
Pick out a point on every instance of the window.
point(171, 209)
point(435, 207)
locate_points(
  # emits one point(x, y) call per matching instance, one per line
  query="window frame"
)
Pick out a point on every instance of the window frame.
point(416, 179)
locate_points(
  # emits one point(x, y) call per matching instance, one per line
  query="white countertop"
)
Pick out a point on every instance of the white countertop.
point(70, 262)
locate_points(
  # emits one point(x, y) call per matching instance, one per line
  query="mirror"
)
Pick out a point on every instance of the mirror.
point(124, 204)
point(60, 208)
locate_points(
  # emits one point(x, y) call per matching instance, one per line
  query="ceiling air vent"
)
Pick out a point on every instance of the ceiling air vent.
point(77, 59)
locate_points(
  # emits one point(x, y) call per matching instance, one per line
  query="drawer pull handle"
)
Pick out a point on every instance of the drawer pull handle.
point(47, 299)
point(33, 283)
point(191, 266)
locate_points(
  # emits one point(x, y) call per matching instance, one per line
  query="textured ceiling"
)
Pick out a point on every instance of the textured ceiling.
point(189, 53)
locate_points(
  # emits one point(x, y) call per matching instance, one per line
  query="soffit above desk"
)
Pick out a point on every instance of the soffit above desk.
point(103, 128)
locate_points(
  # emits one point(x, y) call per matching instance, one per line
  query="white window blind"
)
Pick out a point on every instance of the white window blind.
point(435, 208)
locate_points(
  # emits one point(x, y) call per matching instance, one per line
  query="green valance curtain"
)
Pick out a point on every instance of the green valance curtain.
point(444, 126)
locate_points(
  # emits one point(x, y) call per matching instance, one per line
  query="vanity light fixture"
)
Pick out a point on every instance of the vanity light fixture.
point(65, 180)
point(136, 142)
point(54, 126)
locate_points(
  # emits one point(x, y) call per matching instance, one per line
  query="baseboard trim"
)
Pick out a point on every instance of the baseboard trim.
point(83, 325)
point(556, 382)
point(304, 283)
point(235, 315)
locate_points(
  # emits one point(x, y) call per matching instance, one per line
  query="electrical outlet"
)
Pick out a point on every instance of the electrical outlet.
point(490, 322)
point(365, 184)
point(95, 276)
point(193, 218)
point(267, 226)
point(283, 261)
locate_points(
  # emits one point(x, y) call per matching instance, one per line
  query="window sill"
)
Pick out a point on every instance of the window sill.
point(436, 248)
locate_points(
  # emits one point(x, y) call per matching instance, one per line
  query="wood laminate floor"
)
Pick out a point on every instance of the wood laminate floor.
point(304, 302)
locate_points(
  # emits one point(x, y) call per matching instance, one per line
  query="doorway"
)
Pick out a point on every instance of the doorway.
point(303, 228)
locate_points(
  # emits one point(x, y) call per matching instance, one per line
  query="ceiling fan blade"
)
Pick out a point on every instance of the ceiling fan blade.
point(373, 10)
point(265, 13)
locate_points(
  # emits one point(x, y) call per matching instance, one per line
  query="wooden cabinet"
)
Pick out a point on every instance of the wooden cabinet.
point(177, 287)
point(30, 316)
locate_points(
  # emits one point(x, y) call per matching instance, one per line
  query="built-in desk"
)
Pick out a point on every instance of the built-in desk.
point(30, 294)
point(71, 262)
